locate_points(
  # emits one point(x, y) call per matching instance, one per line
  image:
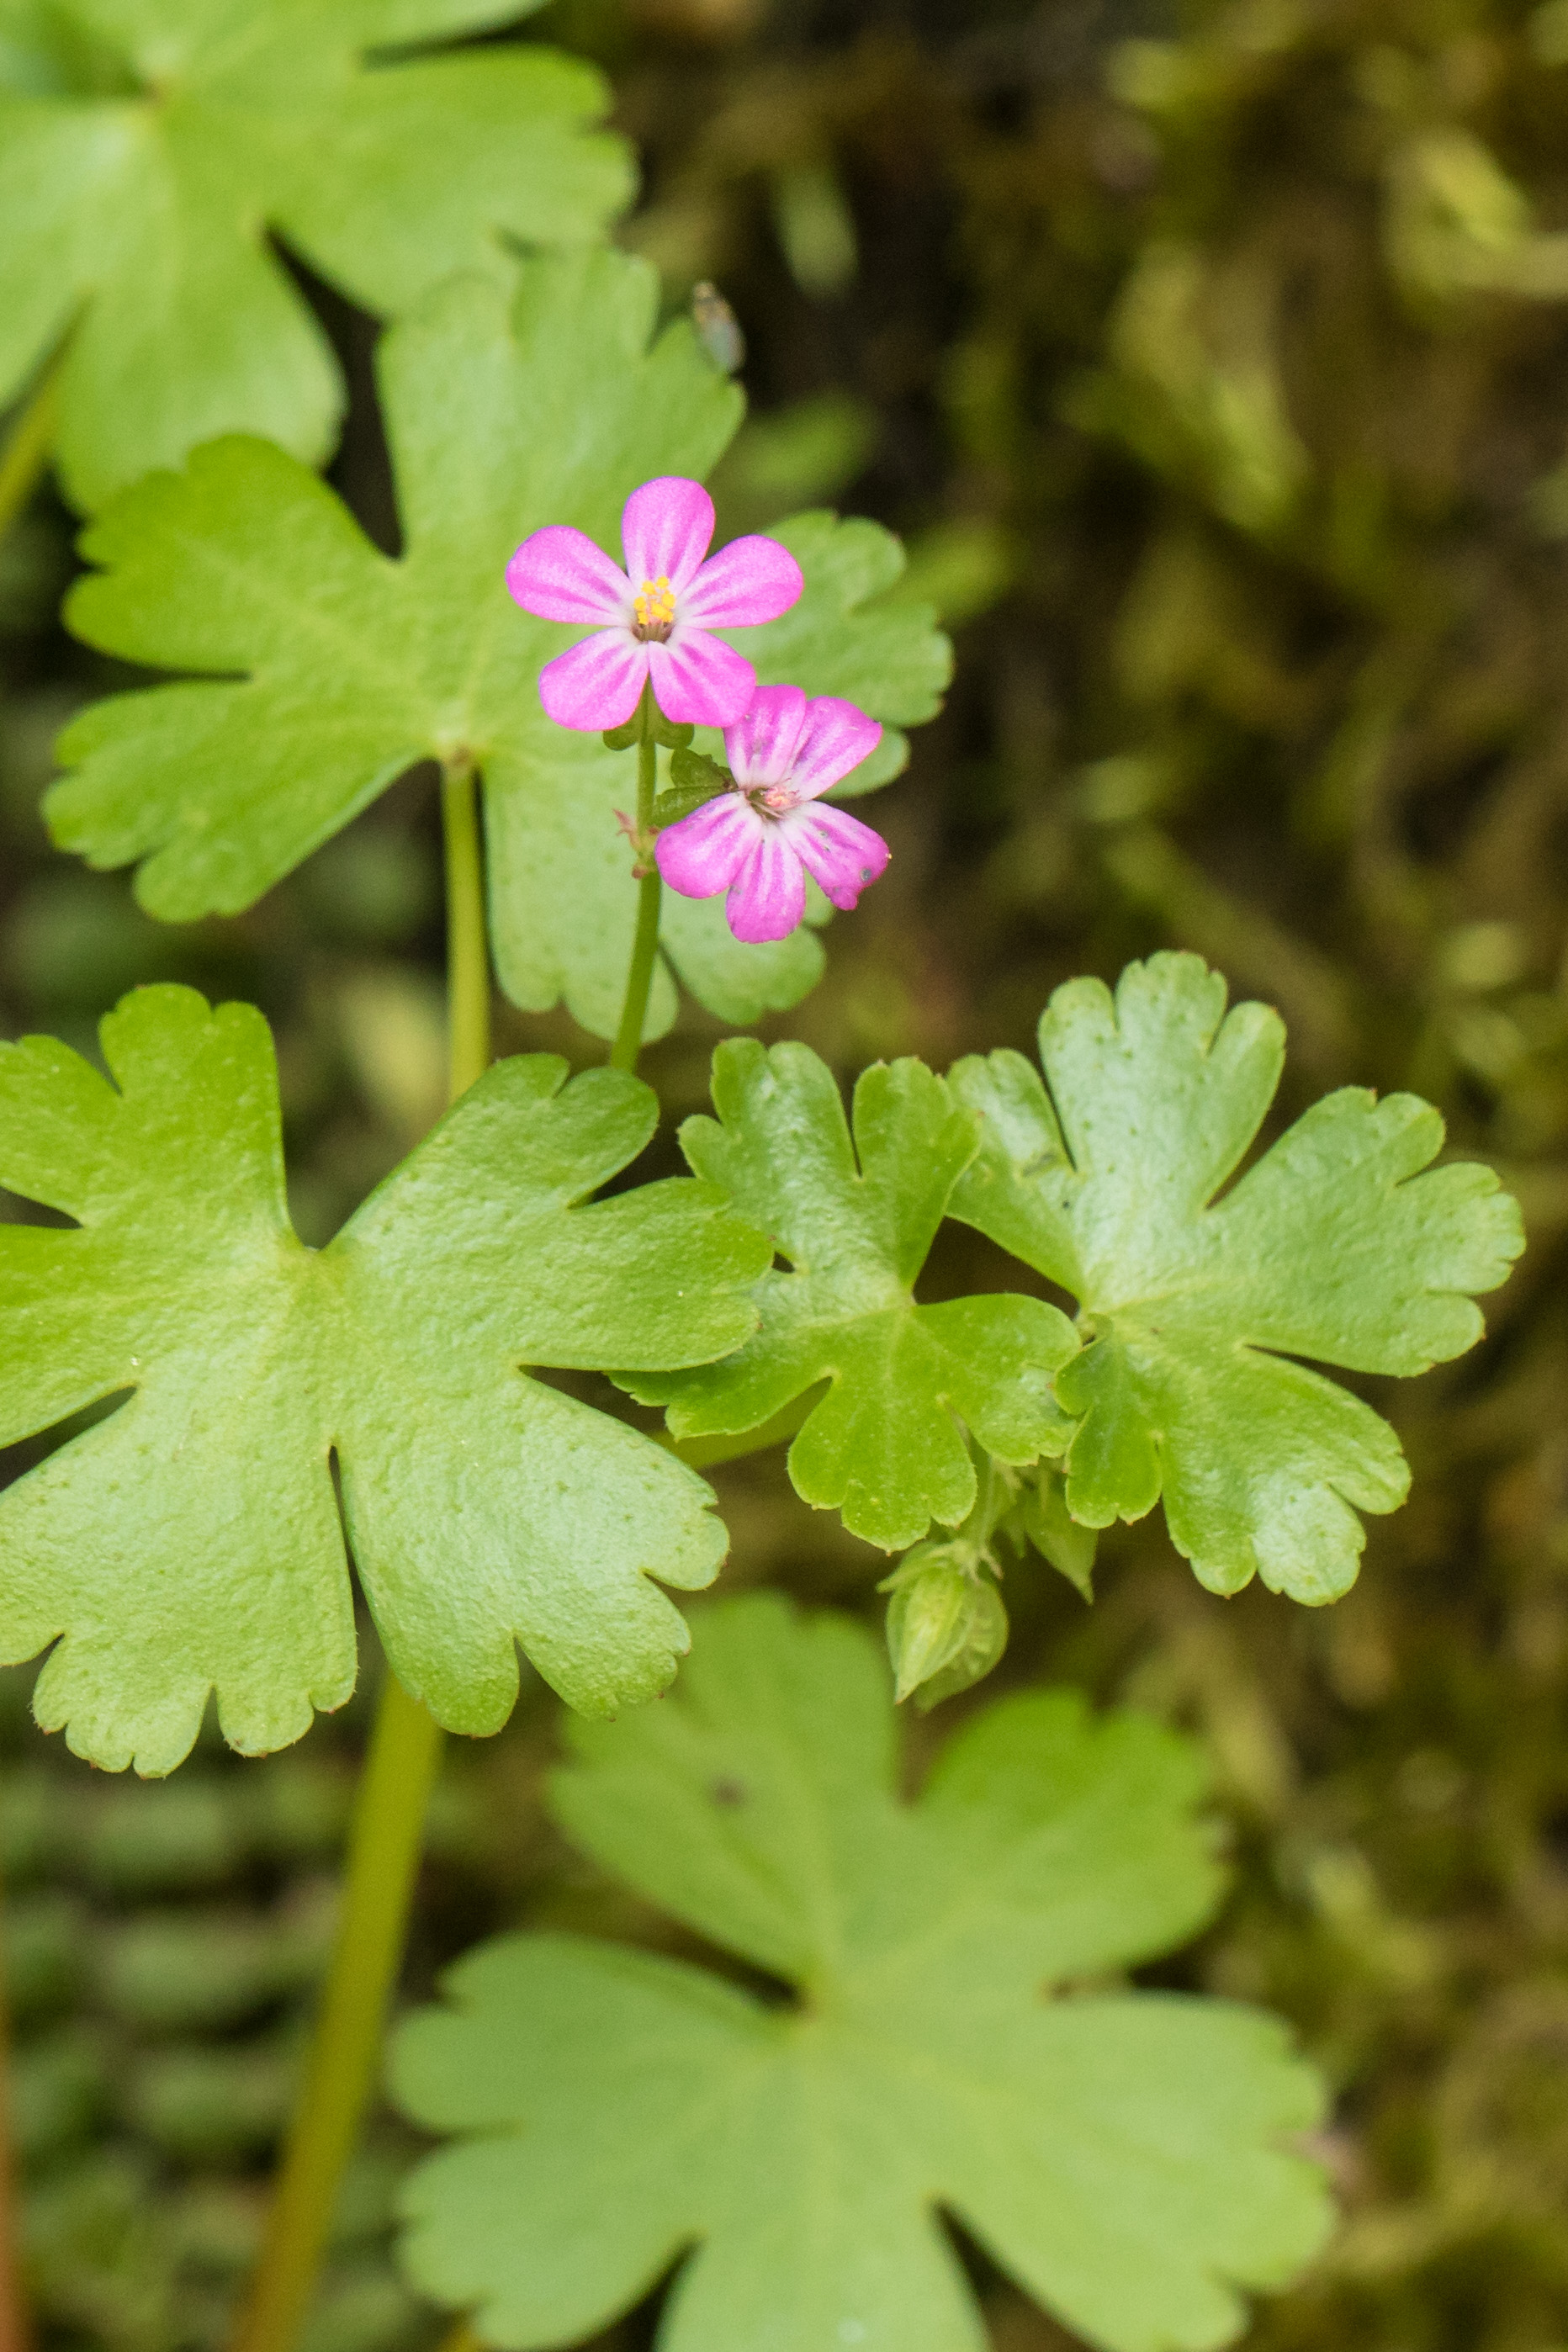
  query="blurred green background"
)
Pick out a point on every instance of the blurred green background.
point(1215, 364)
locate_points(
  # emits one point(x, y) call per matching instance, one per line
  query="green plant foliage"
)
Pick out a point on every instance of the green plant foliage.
point(190, 1541)
point(946, 1623)
point(1334, 1248)
point(694, 780)
point(855, 1218)
point(852, 635)
point(946, 1628)
point(1044, 1518)
point(147, 147)
point(340, 668)
point(1118, 2153)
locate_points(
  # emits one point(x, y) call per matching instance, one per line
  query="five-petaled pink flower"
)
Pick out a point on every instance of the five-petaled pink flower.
point(761, 840)
point(655, 618)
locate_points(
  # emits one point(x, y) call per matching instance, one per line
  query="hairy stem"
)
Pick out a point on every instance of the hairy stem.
point(30, 443)
point(645, 945)
point(400, 1769)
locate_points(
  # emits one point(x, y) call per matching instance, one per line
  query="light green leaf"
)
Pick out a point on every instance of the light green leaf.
point(739, 983)
point(855, 1221)
point(1197, 1310)
point(146, 149)
point(850, 637)
point(332, 669)
point(1118, 2155)
point(853, 637)
point(190, 1541)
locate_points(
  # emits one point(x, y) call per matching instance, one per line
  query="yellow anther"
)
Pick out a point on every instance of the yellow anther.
point(656, 599)
point(654, 605)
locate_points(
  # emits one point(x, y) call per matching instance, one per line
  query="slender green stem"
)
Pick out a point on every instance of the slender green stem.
point(384, 1857)
point(30, 443)
point(400, 1769)
point(645, 945)
point(467, 951)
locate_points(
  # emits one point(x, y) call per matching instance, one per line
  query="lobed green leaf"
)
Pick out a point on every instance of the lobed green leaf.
point(1119, 2154)
point(855, 1218)
point(326, 669)
point(1200, 1304)
point(191, 1541)
point(146, 152)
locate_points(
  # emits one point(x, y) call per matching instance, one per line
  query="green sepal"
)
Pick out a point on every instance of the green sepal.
point(671, 807)
point(694, 771)
point(946, 1626)
point(1042, 1515)
point(696, 780)
point(648, 724)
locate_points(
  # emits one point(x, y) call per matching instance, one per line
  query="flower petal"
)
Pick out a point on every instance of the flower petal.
point(703, 852)
point(767, 897)
point(666, 528)
point(836, 848)
point(751, 580)
point(559, 575)
point(596, 683)
point(760, 746)
point(700, 681)
point(835, 739)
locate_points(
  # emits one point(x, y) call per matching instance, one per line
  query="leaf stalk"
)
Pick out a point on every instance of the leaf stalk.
point(30, 443)
point(400, 1768)
point(644, 943)
point(467, 949)
point(383, 1861)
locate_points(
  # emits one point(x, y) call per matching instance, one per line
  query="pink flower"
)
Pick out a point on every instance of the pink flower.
point(761, 840)
point(655, 618)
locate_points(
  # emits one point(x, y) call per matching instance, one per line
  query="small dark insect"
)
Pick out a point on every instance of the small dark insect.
point(728, 1792)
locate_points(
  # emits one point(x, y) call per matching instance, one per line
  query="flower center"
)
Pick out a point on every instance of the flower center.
point(654, 605)
point(772, 800)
